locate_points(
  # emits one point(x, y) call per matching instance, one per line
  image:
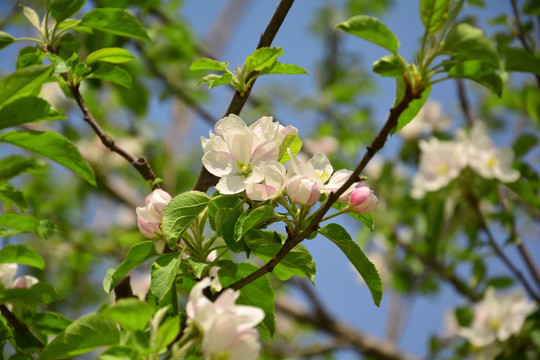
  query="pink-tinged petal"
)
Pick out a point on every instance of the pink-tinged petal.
point(226, 300)
point(232, 184)
point(337, 180)
point(359, 195)
point(267, 151)
point(248, 316)
point(148, 229)
point(218, 163)
point(367, 206)
point(148, 214)
point(260, 192)
point(227, 123)
point(25, 282)
point(303, 190)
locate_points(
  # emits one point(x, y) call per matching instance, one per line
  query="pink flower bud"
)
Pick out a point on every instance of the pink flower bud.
point(363, 200)
point(302, 190)
point(149, 216)
point(25, 282)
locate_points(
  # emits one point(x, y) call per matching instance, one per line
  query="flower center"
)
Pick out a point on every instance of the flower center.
point(443, 169)
point(225, 355)
point(492, 162)
point(494, 323)
point(244, 168)
point(322, 174)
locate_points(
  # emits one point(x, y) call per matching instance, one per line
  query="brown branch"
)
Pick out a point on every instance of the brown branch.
point(205, 179)
point(464, 102)
point(16, 325)
point(363, 342)
point(294, 239)
point(521, 33)
point(140, 164)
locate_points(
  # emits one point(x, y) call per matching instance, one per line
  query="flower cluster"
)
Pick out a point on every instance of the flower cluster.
point(442, 161)
point(149, 216)
point(7, 277)
point(497, 317)
point(247, 158)
point(227, 329)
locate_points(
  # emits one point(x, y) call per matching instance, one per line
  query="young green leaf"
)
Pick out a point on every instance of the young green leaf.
point(371, 29)
point(468, 42)
point(112, 73)
point(24, 82)
point(114, 21)
point(119, 352)
point(132, 314)
point(391, 65)
point(137, 254)
point(5, 39)
point(31, 15)
point(112, 55)
point(412, 110)
point(10, 195)
point(82, 336)
point(14, 165)
point(181, 212)
point(38, 295)
point(259, 293)
point(518, 59)
point(292, 142)
point(49, 323)
point(62, 9)
point(24, 224)
point(163, 274)
point(209, 64)
point(252, 218)
point(262, 58)
point(20, 254)
point(214, 80)
point(476, 70)
point(434, 14)
point(35, 109)
point(53, 146)
point(283, 69)
point(339, 236)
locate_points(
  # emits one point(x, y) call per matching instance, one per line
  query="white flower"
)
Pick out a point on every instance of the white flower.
point(302, 190)
point(149, 216)
point(440, 163)
point(227, 328)
point(235, 150)
point(325, 144)
point(497, 317)
point(7, 273)
point(273, 180)
point(429, 119)
point(486, 159)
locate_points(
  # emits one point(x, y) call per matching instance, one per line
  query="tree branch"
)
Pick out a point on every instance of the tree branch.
point(15, 324)
point(521, 33)
point(140, 164)
point(296, 238)
point(205, 179)
point(464, 102)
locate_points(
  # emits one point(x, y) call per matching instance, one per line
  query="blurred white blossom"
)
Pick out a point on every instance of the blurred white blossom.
point(326, 144)
point(497, 317)
point(7, 277)
point(429, 119)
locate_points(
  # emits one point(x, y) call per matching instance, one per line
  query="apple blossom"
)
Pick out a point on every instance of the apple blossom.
point(149, 216)
point(7, 275)
point(429, 119)
point(302, 190)
point(497, 317)
point(235, 150)
point(363, 200)
point(227, 329)
point(273, 180)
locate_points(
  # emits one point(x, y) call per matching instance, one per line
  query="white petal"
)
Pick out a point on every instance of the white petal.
point(267, 151)
point(218, 163)
point(320, 163)
point(231, 184)
point(228, 122)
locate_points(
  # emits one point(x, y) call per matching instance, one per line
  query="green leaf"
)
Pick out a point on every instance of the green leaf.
point(28, 109)
point(31, 15)
point(468, 42)
point(24, 82)
point(28, 56)
point(15, 165)
point(62, 9)
point(52, 146)
point(391, 65)
point(5, 39)
point(21, 254)
point(23, 224)
point(518, 59)
point(339, 236)
point(137, 254)
point(500, 282)
point(292, 142)
point(49, 323)
point(39, 294)
point(209, 64)
point(476, 71)
point(262, 58)
point(119, 352)
point(259, 293)
point(112, 55)
point(113, 74)
point(252, 218)
point(412, 110)
point(115, 21)
point(434, 14)
point(365, 219)
point(298, 262)
point(214, 80)
point(82, 336)
point(10, 195)
point(180, 213)
point(132, 314)
point(464, 316)
point(283, 69)
point(371, 29)
point(524, 144)
point(163, 274)
point(167, 332)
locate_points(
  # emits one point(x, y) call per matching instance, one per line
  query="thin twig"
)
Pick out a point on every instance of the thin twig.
point(464, 102)
point(296, 238)
point(521, 33)
point(205, 179)
point(16, 324)
point(140, 164)
point(362, 342)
